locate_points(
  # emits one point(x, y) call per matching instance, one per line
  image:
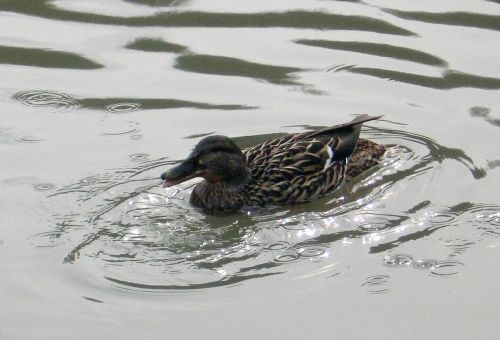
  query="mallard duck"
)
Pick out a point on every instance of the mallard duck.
point(291, 169)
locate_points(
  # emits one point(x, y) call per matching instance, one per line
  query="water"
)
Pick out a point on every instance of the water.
point(99, 97)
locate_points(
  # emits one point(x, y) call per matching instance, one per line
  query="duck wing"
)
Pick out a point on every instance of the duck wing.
point(301, 167)
point(259, 156)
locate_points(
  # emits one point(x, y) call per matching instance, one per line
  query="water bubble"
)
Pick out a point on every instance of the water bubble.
point(286, 257)
point(121, 128)
point(446, 268)
point(123, 107)
point(57, 100)
point(281, 245)
point(487, 215)
point(311, 251)
point(89, 180)
point(459, 245)
point(135, 137)
point(139, 157)
point(377, 284)
point(397, 260)
point(373, 223)
point(292, 223)
point(424, 264)
point(28, 139)
point(487, 218)
point(43, 186)
point(441, 218)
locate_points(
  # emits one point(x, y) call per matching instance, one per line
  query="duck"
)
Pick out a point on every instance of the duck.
point(295, 168)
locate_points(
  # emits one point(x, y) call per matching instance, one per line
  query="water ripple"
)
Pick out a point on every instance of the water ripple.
point(441, 218)
point(312, 251)
point(29, 139)
point(280, 245)
point(123, 107)
point(139, 157)
point(286, 257)
point(120, 128)
point(487, 219)
point(377, 284)
point(446, 269)
point(41, 98)
point(123, 218)
point(43, 186)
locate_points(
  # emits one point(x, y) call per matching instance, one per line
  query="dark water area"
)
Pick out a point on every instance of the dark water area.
point(99, 97)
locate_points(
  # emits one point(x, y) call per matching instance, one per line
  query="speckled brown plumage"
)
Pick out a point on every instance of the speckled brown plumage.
point(367, 155)
point(292, 169)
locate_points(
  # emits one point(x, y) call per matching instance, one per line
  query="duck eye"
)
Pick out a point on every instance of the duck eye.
point(201, 163)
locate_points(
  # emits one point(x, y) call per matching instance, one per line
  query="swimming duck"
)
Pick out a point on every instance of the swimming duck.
point(291, 169)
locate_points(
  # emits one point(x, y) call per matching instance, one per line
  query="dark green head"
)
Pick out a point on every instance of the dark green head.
point(215, 158)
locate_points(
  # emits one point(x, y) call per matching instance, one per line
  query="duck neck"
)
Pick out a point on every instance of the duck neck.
point(218, 198)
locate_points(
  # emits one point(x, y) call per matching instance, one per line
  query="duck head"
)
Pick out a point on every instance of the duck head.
point(217, 159)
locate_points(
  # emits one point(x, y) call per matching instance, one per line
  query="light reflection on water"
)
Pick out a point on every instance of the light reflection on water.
point(125, 220)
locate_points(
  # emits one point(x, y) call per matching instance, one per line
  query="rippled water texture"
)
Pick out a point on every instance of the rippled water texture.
point(99, 97)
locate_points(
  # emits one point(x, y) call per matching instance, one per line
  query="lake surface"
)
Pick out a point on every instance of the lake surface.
point(98, 98)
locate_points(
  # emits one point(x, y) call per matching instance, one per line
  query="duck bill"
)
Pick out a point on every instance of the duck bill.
point(179, 173)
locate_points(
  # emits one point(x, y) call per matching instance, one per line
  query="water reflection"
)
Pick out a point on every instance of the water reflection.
point(64, 101)
point(449, 80)
point(484, 113)
point(381, 50)
point(293, 19)
point(159, 3)
point(45, 58)
point(123, 219)
point(219, 65)
point(465, 19)
point(155, 45)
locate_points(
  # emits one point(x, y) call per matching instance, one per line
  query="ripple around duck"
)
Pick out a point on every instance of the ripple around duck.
point(122, 218)
point(41, 98)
